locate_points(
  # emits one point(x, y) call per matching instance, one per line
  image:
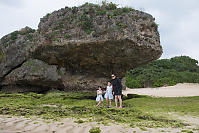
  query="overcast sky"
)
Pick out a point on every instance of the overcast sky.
point(178, 19)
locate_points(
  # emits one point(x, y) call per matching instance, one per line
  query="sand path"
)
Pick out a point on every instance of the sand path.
point(179, 90)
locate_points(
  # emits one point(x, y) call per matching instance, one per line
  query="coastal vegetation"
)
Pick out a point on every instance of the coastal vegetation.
point(164, 72)
point(139, 111)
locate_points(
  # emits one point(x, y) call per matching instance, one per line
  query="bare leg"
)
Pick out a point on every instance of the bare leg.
point(99, 103)
point(120, 99)
point(109, 102)
point(106, 101)
point(116, 97)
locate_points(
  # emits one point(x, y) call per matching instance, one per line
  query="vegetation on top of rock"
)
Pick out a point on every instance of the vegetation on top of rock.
point(164, 72)
point(10, 38)
point(87, 17)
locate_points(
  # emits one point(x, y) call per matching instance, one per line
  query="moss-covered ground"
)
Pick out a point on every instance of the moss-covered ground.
point(138, 111)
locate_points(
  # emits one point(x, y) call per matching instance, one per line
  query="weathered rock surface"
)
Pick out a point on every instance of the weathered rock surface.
point(14, 50)
point(85, 44)
point(98, 40)
point(33, 75)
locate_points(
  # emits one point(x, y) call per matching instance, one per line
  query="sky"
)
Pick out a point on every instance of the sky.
point(178, 20)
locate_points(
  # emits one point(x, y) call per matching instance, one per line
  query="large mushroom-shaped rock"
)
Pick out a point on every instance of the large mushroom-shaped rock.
point(86, 44)
point(33, 75)
point(98, 40)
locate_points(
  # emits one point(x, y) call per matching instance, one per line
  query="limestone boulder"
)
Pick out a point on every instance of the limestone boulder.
point(33, 75)
point(14, 50)
point(98, 40)
point(78, 48)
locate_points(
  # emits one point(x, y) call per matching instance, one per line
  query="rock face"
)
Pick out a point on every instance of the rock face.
point(14, 49)
point(33, 75)
point(88, 43)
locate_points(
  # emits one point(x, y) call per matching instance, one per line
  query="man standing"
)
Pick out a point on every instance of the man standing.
point(117, 89)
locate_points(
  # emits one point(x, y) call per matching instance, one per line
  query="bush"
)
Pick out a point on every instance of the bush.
point(14, 35)
point(103, 12)
point(164, 81)
point(86, 23)
point(95, 130)
point(164, 72)
point(133, 83)
point(110, 6)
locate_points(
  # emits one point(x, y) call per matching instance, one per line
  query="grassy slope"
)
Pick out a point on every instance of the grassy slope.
point(142, 111)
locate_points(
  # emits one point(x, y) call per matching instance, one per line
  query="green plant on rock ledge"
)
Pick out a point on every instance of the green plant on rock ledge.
point(2, 55)
point(120, 25)
point(67, 36)
point(155, 25)
point(86, 23)
point(14, 35)
point(103, 12)
point(109, 6)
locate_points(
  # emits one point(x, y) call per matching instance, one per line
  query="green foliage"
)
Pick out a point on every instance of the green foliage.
point(110, 6)
point(67, 36)
point(30, 37)
point(86, 23)
point(52, 34)
point(155, 25)
point(14, 35)
point(117, 12)
point(103, 12)
point(120, 25)
point(164, 81)
point(47, 15)
point(127, 9)
point(133, 83)
point(164, 72)
point(95, 130)
point(79, 121)
point(186, 131)
point(90, 5)
point(2, 55)
point(140, 111)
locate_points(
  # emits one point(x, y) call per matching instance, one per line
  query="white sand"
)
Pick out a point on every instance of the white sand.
point(14, 124)
point(179, 90)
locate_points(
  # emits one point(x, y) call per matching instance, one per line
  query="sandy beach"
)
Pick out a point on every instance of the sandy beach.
point(179, 90)
point(13, 124)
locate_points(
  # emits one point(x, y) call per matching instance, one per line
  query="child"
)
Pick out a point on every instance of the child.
point(108, 95)
point(99, 98)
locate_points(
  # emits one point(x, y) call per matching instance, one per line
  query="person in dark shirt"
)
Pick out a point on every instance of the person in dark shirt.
point(117, 89)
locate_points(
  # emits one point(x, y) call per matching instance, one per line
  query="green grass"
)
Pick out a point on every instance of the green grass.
point(95, 130)
point(139, 111)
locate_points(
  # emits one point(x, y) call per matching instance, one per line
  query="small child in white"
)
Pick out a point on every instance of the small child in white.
point(99, 97)
point(109, 95)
